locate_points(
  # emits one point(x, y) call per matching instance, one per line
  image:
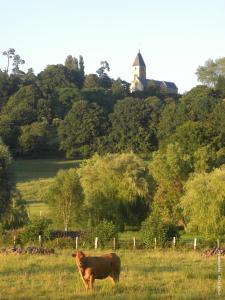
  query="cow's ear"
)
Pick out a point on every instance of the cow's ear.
point(82, 253)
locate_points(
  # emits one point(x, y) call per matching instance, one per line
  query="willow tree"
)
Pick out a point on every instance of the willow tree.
point(204, 203)
point(117, 187)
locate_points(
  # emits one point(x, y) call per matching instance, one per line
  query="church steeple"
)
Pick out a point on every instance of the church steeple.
point(139, 61)
point(139, 67)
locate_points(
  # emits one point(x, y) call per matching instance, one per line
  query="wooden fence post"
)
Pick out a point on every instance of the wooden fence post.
point(219, 269)
point(134, 242)
point(174, 242)
point(155, 242)
point(14, 240)
point(76, 242)
point(218, 243)
point(114, 243)
point(195, 243)
point(96, 242)
point(39, 239)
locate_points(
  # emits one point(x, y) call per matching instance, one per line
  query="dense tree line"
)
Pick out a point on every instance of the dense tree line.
point(155, 153)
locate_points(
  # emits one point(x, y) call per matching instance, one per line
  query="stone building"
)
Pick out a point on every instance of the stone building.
point(140, 83)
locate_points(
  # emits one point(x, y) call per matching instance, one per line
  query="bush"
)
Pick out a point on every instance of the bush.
point(105, 231)
point(38, 226)
point(153, 227)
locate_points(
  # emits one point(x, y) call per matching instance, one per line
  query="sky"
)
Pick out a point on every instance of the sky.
point(174, 37)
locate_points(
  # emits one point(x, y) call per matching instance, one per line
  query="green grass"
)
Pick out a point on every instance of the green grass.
point(33, 169)
point(33, 178)
point(145, 275)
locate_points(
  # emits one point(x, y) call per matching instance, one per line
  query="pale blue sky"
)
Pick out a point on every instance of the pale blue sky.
point(174, 36)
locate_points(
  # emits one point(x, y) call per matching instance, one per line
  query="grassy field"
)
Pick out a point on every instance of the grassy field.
point(145, 275)
point(33, 178)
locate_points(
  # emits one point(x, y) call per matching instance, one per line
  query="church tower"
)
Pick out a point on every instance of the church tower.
point(139, 67)
point(139, 74)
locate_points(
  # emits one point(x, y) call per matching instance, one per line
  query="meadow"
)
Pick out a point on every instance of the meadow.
point(145, 275)
point(33, 177)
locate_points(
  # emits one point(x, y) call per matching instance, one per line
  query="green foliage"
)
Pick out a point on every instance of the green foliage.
point(204, 203)
point(113, 185)
point(38, 226)
point(16, 215)
point(83, 125)
point(134, 125)
point(6, 184)
point(65, 198)
point(153, 227)
point(211, 71)
point(170, 168)
point(33, 139)
point(105, 231)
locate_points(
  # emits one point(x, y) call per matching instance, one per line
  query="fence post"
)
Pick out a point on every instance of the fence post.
point(155, 242)
point(40, 213)
point(76, 242)
point(134, 242)
point(96, 242)
point(218, 243)
point(14, 240)
point(174, 242)
point(219, 270)
point(39, 239)
point(195, 243)
point(114, 243)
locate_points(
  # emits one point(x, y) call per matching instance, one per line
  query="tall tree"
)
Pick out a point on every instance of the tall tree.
point(65, 198)
point(71, 63)
point(9, 54)
point(117, 187)
point(81, 128)
point(210, 72)
point(6, 185)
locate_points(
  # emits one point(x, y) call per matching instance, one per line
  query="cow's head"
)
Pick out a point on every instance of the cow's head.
point(78, 254)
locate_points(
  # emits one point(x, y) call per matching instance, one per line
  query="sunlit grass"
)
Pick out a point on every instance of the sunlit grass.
point(33, 178)
point(145, 275)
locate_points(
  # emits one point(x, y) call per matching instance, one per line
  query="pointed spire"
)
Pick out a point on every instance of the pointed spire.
point(139, 60)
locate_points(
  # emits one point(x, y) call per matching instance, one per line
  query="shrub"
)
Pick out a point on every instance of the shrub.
point(105, 231)
point(153, 227)
point(38, 226)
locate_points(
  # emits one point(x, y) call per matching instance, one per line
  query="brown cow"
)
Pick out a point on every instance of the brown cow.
point(97, 267)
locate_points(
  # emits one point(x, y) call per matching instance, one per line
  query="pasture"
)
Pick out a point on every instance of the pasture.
point(33, 178)
point(145, 275)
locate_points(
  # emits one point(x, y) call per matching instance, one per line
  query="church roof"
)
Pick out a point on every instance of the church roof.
point(139, 61)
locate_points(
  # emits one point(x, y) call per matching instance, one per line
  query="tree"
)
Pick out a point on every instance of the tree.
point(71, 63)
point(104, 79)
point(91, 81)
point(220, 86)
point(6, 185)
point(211, 71)
point(134, 124)
point(33, 140)
point(81, 66)
point(81, 128)
point(204, 203)
point(10, 54)
point(117, 188)
point(65, 198)
point(118, 90)
point(170, 168)
point(17, 61)
point(103, 69)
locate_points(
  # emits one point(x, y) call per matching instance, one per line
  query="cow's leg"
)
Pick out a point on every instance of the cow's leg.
point(91, 281)
point(114, 277)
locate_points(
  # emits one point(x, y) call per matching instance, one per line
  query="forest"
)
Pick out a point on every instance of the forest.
point(146, 159)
